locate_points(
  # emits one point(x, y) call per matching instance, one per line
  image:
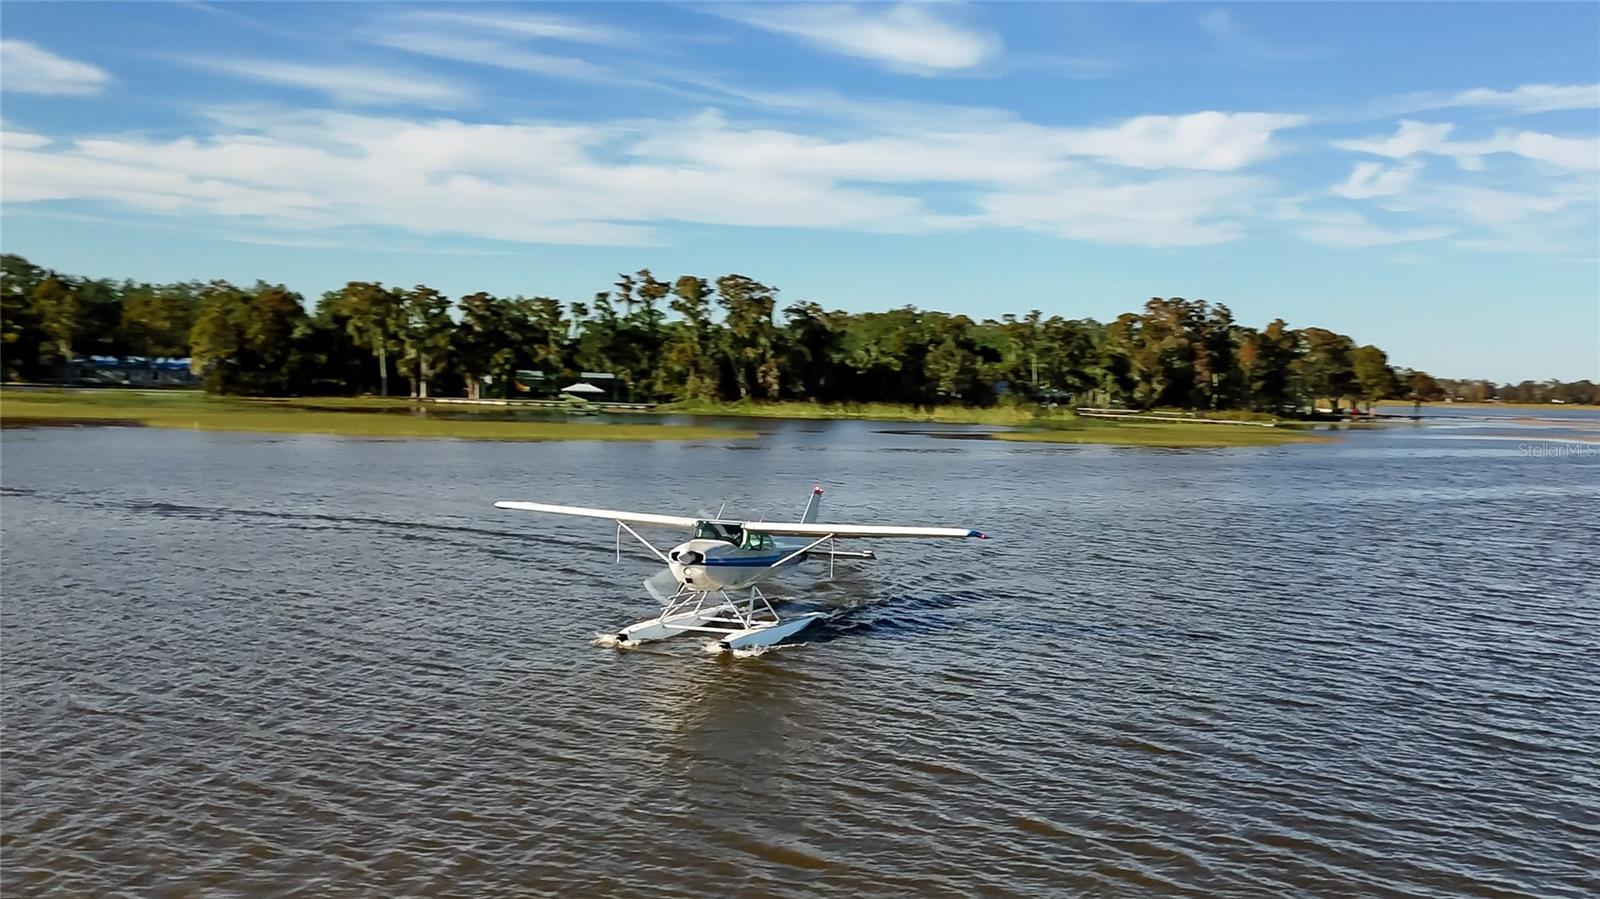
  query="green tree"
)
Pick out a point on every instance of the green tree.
point(1324, 368)
point(216, 342)
point(648, 323)
point(1375, 380)
point(422, 328)
point(156, 321)
point(1423, 388)
point(752, 336)
point(1070, 355)
point(688, 353)
point(476, 339)
point(952, 364)
point(602, 338)
point(1116, 356)
point(813, 345)
point(372, 314)
point(1264, 361)
point(1216, 373)
point(20, 334)
point(274, 318)
point(99, 330)
point(59, 308)
point(246, 341)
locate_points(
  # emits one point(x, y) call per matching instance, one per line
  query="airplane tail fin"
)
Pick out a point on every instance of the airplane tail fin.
point(813, 506)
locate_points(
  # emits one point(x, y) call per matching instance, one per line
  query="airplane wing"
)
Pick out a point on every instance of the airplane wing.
point(671, 521)
point(809, 529)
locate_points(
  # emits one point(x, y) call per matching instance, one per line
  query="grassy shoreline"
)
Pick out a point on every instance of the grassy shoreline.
point(794, 409)
point(1051, 427)
point(1174, 434)
point(386, 417)
point(339, 417)
point(1406, 406)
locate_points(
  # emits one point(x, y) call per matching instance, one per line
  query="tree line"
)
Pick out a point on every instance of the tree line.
point(695, 339)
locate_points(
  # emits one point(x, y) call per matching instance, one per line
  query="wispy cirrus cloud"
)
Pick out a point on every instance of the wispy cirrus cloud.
point(27, 68)
point(1348, 228)
point(1233, 37)
point(1169, 211)
point(520, 25)
point(1527, 98)
point(348, 84)
point(922, 39)
point(1215, 141)
point(496, 54)
point(1492, 206)
point(1579, 154)
point(1369, 180)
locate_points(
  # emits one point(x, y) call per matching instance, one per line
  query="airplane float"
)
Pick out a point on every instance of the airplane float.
point(722, 556)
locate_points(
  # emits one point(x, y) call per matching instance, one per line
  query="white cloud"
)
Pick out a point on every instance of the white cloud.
point(523, 25)
point(1184, 210)
point(1409, 139)
point(527, 183)
point(1372, 179)
point(617, 182)
point(907, 37)
point(1533, 97)
point(22, 140)
point(1412, 137)
point(1343, 228)
point(1528, 98)
point(348, 84)
point(1214, 141)
point(1575, 153)
point(29, 69)
point(1012, 151)
point(497, 54)
point(1504, 207)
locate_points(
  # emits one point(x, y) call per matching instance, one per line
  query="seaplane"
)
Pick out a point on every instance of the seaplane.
point(711, 583)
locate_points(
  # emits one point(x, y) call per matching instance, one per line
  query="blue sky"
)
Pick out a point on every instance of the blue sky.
point(1421, 176)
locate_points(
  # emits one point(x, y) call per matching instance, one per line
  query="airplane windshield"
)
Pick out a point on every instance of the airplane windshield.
point(712, 530)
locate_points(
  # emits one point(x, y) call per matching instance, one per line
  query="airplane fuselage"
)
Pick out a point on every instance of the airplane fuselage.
point(717, 563)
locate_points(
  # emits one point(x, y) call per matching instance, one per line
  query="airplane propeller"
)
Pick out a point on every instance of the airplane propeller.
point(662, 585)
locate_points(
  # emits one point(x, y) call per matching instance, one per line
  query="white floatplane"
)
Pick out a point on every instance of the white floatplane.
point(722, 556)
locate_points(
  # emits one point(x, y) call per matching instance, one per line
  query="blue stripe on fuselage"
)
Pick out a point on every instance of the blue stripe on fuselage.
point(746, 561)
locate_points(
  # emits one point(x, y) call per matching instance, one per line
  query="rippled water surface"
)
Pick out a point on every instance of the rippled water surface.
point(251, 665)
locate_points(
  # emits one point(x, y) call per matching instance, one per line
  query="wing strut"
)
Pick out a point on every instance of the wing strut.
point(803, 550)
point(623, 526)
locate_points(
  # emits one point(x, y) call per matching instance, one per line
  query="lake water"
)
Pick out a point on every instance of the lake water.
point(260, 665)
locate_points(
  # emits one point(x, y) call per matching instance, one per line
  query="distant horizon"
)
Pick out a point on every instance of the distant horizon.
point(1426, 179)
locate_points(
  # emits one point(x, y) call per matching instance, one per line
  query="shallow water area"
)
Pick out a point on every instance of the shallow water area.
point(239, 664)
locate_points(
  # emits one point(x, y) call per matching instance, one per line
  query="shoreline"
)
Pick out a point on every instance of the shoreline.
point(1407, 405)
point(334, 417)
point(386, 417)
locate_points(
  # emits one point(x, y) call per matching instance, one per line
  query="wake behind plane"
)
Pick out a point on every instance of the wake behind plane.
point(723, 557)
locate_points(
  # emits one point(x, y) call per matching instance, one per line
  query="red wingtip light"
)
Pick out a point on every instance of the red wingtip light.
point(817, 489)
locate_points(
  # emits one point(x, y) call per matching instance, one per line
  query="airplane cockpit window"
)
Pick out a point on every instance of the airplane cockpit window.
point(712, 530)
point(762, 542)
